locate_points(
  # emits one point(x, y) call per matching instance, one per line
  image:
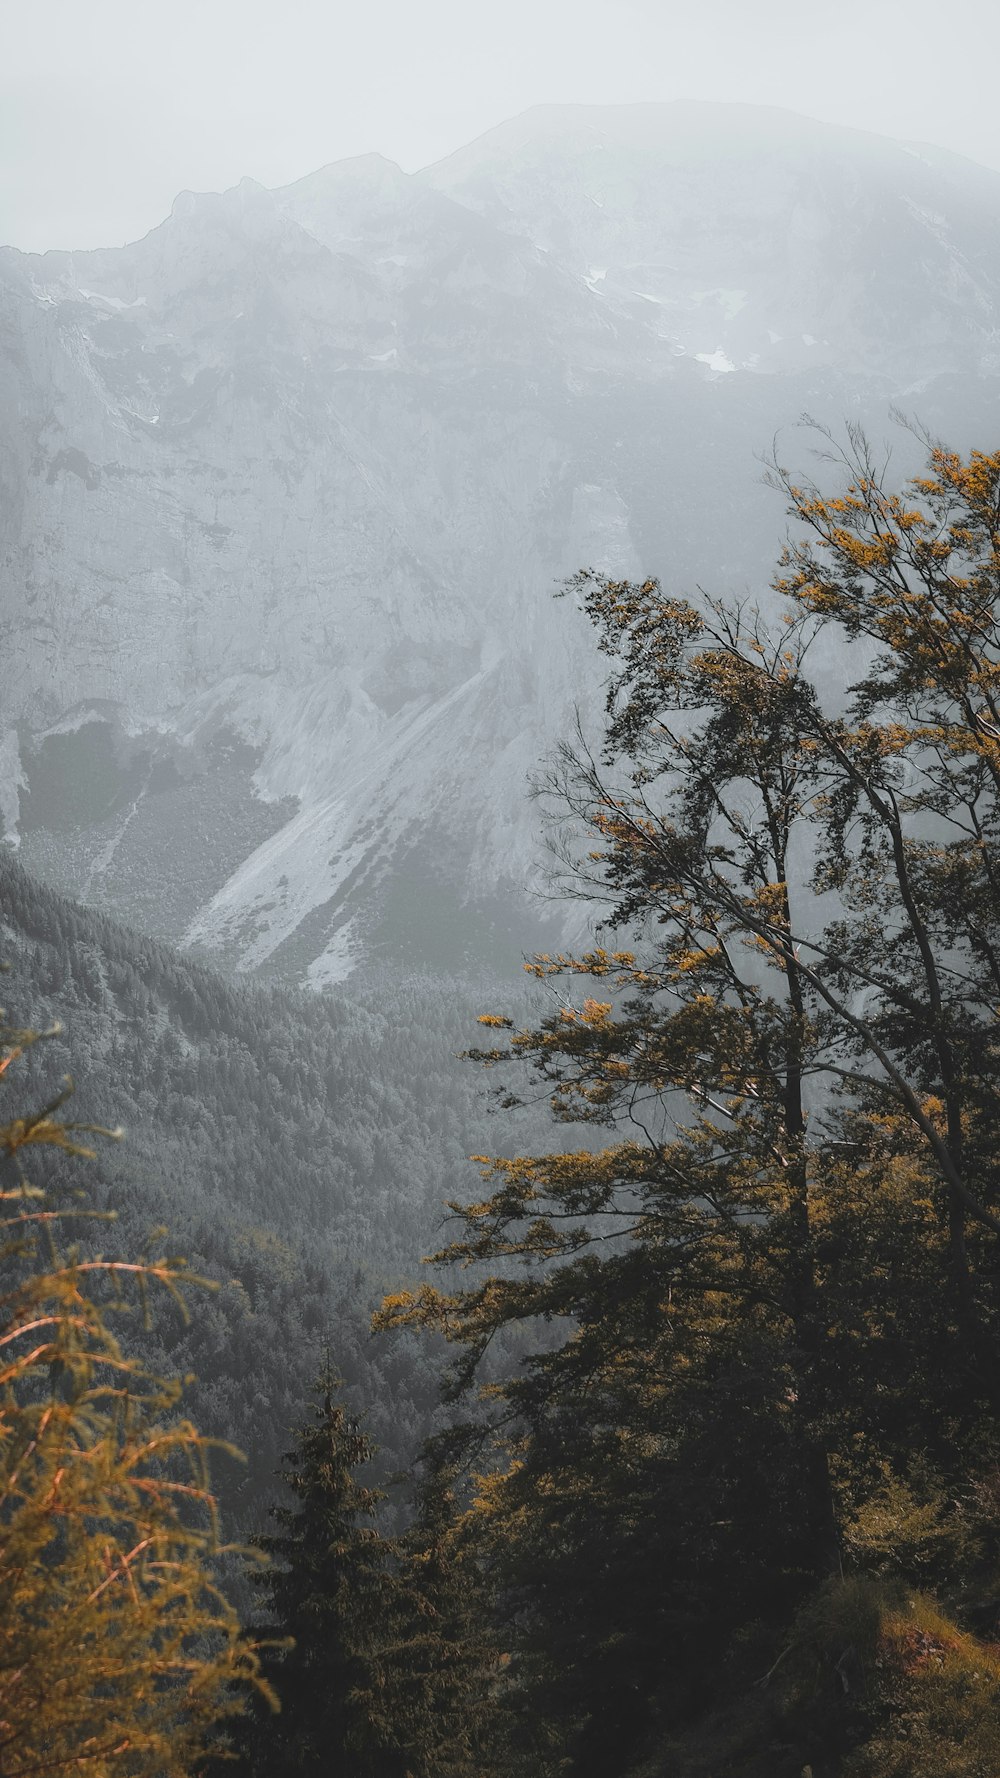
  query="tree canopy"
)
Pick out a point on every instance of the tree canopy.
point(754, 1456)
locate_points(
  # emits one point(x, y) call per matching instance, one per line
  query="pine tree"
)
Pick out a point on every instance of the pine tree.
point(331, 1595)
point(443, 1662)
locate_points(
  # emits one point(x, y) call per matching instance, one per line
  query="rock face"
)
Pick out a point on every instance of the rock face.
point(287, 487)
point(761, 240)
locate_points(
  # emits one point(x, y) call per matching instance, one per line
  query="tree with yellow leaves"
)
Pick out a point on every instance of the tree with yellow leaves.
point(777, 1275)
point(119, 1654)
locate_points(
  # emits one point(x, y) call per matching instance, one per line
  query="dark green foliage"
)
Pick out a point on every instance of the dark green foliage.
point(383, 1659)
point(444, 1663)
point(331, 1589)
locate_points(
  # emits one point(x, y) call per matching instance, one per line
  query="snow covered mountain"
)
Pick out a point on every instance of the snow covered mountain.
point(286, 488)
point(761, 240)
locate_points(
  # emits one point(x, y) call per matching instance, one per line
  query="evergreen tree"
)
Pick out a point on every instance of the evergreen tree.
point(443, 1662)
point(331, 1597)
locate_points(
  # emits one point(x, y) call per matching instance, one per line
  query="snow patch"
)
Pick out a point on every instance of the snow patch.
point(719, 361)
point(112, 302)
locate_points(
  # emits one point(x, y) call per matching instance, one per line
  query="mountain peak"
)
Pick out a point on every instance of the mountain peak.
point(654, 126)
point(293, 479)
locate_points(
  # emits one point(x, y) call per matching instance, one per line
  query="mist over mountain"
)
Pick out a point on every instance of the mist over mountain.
point(761, 240)
point(287, 487)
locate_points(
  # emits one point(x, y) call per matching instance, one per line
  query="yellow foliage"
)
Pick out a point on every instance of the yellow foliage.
point(119, 1654)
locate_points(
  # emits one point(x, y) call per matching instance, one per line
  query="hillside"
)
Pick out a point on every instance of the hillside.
point(297, 1148)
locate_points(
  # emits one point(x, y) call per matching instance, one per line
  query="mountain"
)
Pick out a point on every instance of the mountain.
point(287, 486)
point(761, 240)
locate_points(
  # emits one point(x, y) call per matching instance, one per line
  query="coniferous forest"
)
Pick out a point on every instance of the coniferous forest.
point(682, 1455)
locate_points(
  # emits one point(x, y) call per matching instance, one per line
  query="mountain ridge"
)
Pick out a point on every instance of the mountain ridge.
point(288, 485)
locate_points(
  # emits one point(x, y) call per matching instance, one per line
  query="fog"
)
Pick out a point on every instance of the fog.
point(108, 110)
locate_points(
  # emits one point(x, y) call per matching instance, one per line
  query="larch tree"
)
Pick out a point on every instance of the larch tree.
point(119, 1653)
point(777, 1271)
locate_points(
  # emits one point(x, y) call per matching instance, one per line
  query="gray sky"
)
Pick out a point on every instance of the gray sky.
point(108, 108)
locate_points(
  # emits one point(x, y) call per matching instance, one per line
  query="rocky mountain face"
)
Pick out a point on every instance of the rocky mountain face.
point(761, 241)
point(287, 486)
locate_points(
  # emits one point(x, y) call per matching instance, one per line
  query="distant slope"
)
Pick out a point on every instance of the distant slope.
point(298, 1149)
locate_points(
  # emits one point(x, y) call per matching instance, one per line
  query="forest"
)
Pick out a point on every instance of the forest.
point(682, 1458)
